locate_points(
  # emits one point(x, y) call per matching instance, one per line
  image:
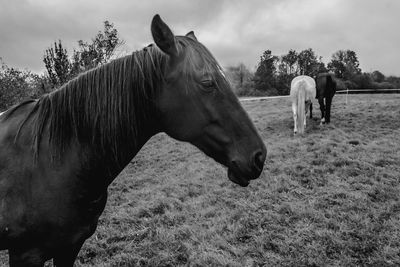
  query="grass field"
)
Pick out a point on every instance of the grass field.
point(327, 198)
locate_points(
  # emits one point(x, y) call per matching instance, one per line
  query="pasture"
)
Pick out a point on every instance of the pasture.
point(327, 198)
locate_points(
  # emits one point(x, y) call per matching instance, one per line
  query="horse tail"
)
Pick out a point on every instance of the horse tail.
point(301, 99)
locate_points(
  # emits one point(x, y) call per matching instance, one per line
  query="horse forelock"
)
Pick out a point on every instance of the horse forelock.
point(198, 59)
point(104, 106)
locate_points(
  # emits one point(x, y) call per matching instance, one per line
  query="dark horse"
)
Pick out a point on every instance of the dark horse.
point(326, 89)
point(58, 154)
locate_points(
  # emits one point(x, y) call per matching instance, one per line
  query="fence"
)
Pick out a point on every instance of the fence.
point(376, 91)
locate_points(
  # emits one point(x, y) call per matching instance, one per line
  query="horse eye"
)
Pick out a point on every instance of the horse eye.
point(208, 83)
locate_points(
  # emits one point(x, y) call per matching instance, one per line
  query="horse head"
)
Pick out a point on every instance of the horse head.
point(196, 104)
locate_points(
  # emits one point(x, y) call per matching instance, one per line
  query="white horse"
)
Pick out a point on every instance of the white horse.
point(302, 92)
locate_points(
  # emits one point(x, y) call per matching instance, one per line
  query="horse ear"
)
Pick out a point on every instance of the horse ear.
point(191, 35)
point(163, 36)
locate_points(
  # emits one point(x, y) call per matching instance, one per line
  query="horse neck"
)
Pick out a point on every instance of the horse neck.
point(108, 164)
point(110, 111)
point(132, 131)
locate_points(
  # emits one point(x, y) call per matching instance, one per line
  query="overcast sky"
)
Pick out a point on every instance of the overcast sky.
point(235, 31)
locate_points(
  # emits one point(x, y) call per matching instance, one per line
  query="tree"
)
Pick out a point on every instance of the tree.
point(308, 63)
point(377, 76)
point(264, 77)
point(362, 81)
point(239, 74)
point(395, 81)
point(100, 50)
point(241, 79)
point(345, 64)
point(289, 62)
point(61, 68)
point(15, 85)
point(287, 66)
point(320, 67)
point(292, 64)
point(57, 64)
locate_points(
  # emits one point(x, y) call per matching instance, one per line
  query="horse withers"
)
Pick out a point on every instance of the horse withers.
point(302, 92)
point(58, 154)
point(326, 89)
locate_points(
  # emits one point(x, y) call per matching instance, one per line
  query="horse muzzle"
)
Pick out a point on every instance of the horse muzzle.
point(241, 173)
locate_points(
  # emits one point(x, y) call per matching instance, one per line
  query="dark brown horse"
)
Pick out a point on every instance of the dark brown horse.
point(326, 89)
point(58, 154)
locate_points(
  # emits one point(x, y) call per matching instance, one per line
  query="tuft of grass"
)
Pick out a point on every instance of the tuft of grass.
point(326, 198)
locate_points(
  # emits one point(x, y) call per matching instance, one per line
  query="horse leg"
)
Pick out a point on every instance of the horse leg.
point(66, 258)
point(311, 111)
point(294, 109)
point(26, 258)
point(322, 108)
point(328, 109)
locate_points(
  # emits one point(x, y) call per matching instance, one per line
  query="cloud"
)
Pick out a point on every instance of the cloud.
point(235, 31)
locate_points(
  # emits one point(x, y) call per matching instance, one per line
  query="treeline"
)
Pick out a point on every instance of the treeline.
point(273, 73)
point(271, 77)
point(16, 85)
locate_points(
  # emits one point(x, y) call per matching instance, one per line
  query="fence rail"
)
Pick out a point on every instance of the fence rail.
point(382, 91)
point(244, 99)
point(368, 90)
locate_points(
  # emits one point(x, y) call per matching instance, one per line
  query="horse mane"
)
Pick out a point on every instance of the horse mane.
point(103, 106)
point(108, 105)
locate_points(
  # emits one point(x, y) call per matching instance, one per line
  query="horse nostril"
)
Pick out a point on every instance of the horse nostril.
point(259, 159)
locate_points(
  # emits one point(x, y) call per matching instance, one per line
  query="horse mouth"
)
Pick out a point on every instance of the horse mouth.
point(235, 176)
